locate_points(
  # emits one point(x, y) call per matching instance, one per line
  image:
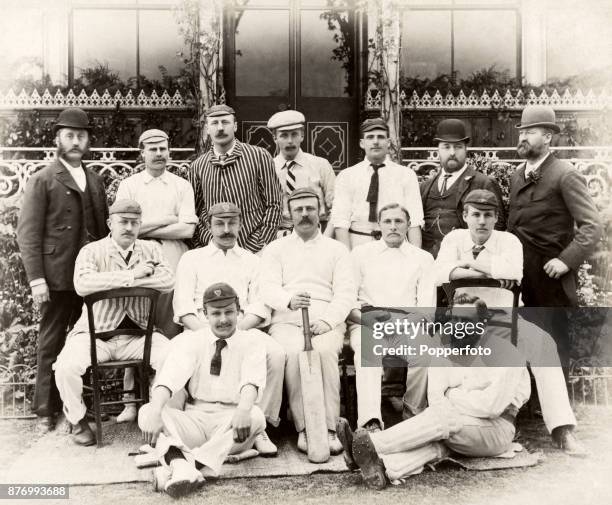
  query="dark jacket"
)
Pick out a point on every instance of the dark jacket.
point(50, 232)
point(542, 214)
point(470, 179)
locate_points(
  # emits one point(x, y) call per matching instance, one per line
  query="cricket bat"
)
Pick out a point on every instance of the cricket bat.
point(312, 397)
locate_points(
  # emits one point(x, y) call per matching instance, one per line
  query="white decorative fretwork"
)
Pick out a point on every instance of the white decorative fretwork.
point(94, 100)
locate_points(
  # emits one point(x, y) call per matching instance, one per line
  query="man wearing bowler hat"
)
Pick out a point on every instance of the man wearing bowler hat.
point(64, 207)
point(363, 189)
point(297, 169)
point(232, 171)
point(554, 217)
point(443, 195)
point(168, 212)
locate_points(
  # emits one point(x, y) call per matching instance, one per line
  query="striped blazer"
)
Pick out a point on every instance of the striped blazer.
point(100, 267)
point(247, 178)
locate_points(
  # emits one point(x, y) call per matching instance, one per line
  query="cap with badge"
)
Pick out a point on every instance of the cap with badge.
point(152, 136)
point(377, 123)
point(219, 294)
point(481, 199)
point(224, 209)
point(220, 110)
point(302, 193)
point(125, 206)
point(286, 120)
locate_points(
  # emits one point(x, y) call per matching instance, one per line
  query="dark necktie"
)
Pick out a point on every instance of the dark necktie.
point(476, 250)
point(533, 176)
point(290, 179)
point(215, 362)
point(372, 197)
point(444, 184)
point(127, 258)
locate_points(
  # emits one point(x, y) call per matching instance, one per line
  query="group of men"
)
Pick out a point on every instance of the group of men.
point(274, 235)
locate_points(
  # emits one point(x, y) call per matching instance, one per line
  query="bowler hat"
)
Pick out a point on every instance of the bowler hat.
point(220, 110)
point(538, 115)
point(72, 117)
point(376, 123)
point(286, 120)
point(224, 209)
point(481, 199)
point(125, 206)
point(451, 130)
point(219, 292)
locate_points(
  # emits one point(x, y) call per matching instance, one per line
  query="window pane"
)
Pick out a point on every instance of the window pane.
point(261, 3)
point(484, 39)
point(320, 51)
point(262, 55)
point(95, 43)
point(21, 33)
point(426, 44)
point(578, 41)
point(159, 43)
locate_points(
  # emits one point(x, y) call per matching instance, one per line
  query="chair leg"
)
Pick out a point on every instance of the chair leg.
point(96, 402)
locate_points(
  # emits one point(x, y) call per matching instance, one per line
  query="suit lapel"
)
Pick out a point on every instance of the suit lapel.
point(463, 185)
point(519, 179)
point(63, 176)
point(427, 187)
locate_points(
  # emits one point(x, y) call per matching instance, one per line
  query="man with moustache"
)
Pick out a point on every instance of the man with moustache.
point(392, 277)
point(169, 218)
point(224, 261)
point(364, 188)
point(554, 217)
point(225, 372)
point(307, 269)
point(297, 169)
point(232, 171)
point(443, 195)
point(116, 261)
point(64, 207)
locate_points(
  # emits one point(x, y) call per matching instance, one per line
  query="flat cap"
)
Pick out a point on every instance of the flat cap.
point(376, 123)
point(302, 193)
point(72, 117)
point(224, 209)
point(286, 120)
point(151, 136)
point(220, 110)
point(538, 115)
point(218, 293)
point(125, 206)
point(451, 130)
point(482, 199)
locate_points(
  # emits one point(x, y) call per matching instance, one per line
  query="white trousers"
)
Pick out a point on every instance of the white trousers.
point(329, 345)
point(272, 395)
point(203, 432)
point(75, 357)
point(406, 447)
point(368, 381)
point(540, 351)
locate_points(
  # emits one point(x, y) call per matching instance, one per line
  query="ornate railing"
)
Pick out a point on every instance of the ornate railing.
point(565, 100)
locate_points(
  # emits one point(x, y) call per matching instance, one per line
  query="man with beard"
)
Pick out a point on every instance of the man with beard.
point(308, 270)
point(168, 218)
point(364, 188)
point(116, 261)
point(297, 169)
point(554, 217)
point(232, 171)
point(443, 194)
point(224, 261)
point(64, 207)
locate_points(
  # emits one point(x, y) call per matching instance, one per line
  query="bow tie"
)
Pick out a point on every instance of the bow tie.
point(534, 176)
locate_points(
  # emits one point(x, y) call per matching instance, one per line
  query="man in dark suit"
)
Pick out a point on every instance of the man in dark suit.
point(64, 207)
point(554, 217)
point(443, 194)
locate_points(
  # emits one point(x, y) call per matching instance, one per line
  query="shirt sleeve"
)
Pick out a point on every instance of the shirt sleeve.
point(271, 197)
point(123, 192)
point(343, 289)
point(412, 198)
point(186, 212)
point(328, 181)
point(426, 286)
point(253, 369)
point(341, 211)
point(255, 305)
point(89, 279)
point(508, 262)
point(271, 280)
point(181, 362)
point(162, 278)
point(202, 234)
point(447, 259)
point(186, 280)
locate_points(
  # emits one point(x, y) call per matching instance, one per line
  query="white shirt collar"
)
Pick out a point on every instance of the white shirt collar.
point(317, 238)
point(530, 168)
point(69, 167)
point(147, 177)
point(230, 151)
point(120, 250)
point(490, 244)
point(215, 249)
